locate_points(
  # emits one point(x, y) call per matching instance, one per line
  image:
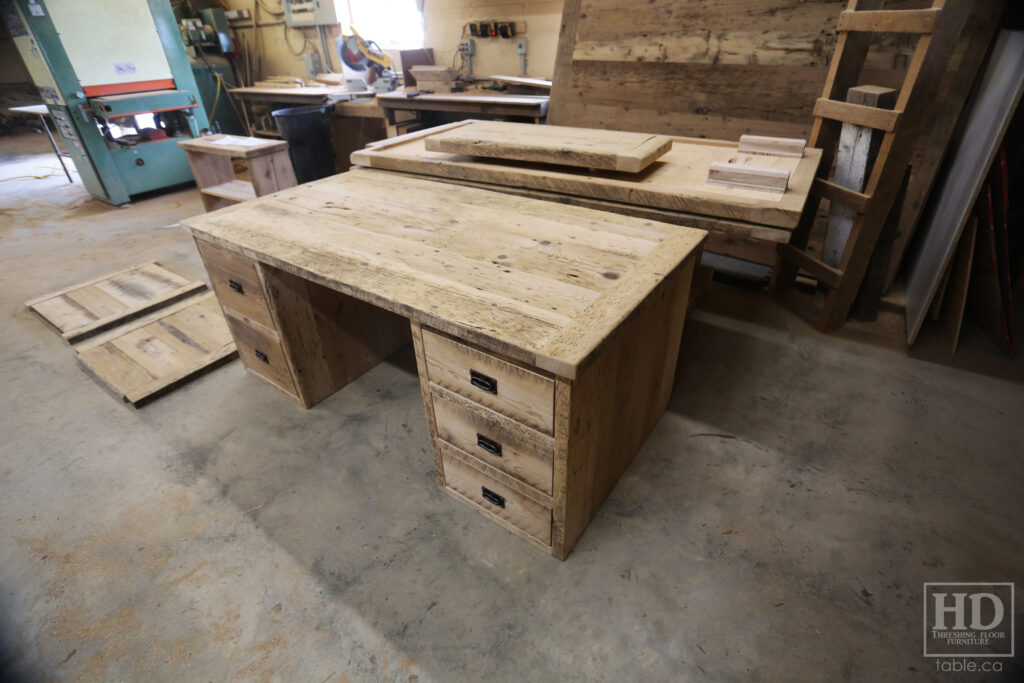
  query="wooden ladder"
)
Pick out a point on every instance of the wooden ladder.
point(938, 28)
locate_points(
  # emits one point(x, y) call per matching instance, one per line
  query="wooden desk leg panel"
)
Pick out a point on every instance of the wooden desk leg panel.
point(329, 338)
point(605, 415)
point(428, 401)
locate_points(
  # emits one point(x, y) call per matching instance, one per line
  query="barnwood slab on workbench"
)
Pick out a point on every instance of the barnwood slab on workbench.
point(676, 181)
point(546, 290)
point(87, 308)
point(585, 147)
point(152, 355)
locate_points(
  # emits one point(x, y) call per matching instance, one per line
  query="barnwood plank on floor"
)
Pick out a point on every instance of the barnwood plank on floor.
point(676, 181)
point(152, 355)
point(564, 145)
point(85, 309)
point(501, 279)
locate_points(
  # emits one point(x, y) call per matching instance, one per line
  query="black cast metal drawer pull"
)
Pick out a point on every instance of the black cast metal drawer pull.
point(262, 356)
point(488, 445)
point(235, 286)
point(492, 497)
point(482, 381)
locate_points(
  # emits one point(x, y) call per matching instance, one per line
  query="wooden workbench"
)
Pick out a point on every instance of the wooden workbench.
point(354, 123)
point(309, 95)
point(475, 103)
point(743, 222)
point(546, 336)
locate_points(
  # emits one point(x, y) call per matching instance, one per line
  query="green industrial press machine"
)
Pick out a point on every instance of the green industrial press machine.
point(119, 86)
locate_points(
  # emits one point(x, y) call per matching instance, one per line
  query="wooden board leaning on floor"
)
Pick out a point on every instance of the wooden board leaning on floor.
point(88, 308)
point(676, 182)
point(151, 356)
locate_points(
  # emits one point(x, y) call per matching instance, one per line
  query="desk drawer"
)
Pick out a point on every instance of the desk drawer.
point(262, 354)
point(496, 440)
point(509, 389)
point(236, 283)
point(489, 495)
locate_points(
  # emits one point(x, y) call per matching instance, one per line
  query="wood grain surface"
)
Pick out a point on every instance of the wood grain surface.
point(564, 145)
point(540, 282)
point(676, 181)
point(88, 308)
point(150, 356)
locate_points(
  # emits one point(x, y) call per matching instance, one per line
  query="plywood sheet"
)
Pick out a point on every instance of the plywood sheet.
point(85, 309)
point(151, 356)
point(562, 145)
point(677, 181)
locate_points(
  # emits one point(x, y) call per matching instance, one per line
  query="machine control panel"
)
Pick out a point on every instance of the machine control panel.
point(62, 120)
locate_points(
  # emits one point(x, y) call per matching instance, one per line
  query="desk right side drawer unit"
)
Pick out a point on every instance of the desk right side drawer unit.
point(539, 453)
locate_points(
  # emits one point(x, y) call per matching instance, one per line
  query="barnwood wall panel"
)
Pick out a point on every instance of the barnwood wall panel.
point(707, 69)
point(724, 68)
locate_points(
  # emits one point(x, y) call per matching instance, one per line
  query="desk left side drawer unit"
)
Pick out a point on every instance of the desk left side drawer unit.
point(241, 291)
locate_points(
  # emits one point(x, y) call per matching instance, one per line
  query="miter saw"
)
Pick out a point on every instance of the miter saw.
point(362, 56)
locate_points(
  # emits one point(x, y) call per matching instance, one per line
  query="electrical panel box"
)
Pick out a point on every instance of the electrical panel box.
point(309, 12)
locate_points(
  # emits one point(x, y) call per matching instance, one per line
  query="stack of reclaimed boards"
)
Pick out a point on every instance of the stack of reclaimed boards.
point(140, 332)
point(743, 193)
point(436, 78)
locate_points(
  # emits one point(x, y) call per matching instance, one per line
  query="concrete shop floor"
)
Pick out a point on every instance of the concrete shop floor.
point(778, 524)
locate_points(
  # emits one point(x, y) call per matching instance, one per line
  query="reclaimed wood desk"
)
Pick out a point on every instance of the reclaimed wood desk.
point(546, 336)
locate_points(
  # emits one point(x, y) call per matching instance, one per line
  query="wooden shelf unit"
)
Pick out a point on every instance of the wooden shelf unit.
point(270, 169)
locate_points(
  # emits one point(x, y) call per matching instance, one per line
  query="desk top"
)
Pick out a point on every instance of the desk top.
point(677, 181)
point(537, 281)
point(243, 147)
point(39, 109)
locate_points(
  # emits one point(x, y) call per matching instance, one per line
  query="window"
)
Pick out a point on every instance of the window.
point(392, 24)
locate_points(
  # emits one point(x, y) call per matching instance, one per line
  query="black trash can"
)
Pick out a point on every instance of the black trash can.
point(308, 132)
